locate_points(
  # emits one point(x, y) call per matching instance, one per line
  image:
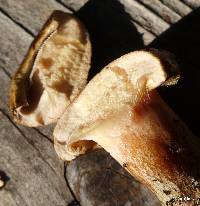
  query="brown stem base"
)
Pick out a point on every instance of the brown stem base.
point(152, 143)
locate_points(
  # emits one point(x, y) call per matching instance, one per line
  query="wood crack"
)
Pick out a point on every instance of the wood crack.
point(177, 6)
point(24, 136)
point(63, 4)
point(45, 136)
point(155, 11)
point(68, 185)
point(16, 22)
point(188, 3)
point(139, 13)
point(6, 72)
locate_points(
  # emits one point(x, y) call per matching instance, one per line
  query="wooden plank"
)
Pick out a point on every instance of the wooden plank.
point(144, 17)
point(192, 3)
point(31, 14)
point(96, 178)
point(4, 84)
point(177, 6)
point(161, 10)
point(85, 5)
point(74, 5)
point(42, 145)
point(32, 181)
point(13, 44)
point(147, 37)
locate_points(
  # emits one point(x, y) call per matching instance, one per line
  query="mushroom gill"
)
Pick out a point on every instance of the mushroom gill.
point(53, 72)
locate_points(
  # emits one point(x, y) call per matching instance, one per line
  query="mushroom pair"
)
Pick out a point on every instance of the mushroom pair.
point(118, 109)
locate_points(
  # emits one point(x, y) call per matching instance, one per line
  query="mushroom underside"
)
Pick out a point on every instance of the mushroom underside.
point(117, 89)
point(53, 72)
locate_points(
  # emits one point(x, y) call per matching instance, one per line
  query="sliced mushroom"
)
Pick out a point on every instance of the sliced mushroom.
point(120, 111)
point(53, 72)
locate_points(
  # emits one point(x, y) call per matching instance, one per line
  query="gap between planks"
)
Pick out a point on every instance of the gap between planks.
point(66, 6)
point(68, 185)
point(17, 23)
point(161, 10)
point(24, 136)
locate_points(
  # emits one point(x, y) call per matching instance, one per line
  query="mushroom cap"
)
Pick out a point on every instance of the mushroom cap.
point(53, 72)
point(107, 99)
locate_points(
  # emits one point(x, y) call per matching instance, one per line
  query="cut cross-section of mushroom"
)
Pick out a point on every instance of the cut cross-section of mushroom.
point(53, 72)
point(120, 111)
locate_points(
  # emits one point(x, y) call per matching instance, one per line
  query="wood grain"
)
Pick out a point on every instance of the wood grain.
point(13, 43)
point(74, 5)
point(31, 14)
point(97, 179)
point(177, 6)
point(192, 3)
point(161, 10)
point(32, 180)
point(145, 17)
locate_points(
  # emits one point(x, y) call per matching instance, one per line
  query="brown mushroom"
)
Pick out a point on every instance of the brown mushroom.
point(53, 72)
point(120, 111)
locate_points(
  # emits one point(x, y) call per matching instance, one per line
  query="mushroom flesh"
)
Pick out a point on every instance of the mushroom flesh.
point(53, 72)
point(120, 111)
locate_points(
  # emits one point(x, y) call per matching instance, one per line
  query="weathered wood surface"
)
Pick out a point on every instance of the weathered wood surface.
point(162, 10)
point(35, 177)
point(177, 6)
point(192, 3)
point(30, 14)
point(97, 179)
point(28, 164)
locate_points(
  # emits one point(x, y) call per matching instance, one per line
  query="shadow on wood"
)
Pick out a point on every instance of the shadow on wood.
point(97, 179)
point(183, 39)
point(111, 31)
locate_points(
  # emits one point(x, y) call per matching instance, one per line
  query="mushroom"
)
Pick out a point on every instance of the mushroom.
point(120, 111)
point(53, 72)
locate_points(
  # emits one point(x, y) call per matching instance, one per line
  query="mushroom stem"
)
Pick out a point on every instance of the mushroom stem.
point(157, 148)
